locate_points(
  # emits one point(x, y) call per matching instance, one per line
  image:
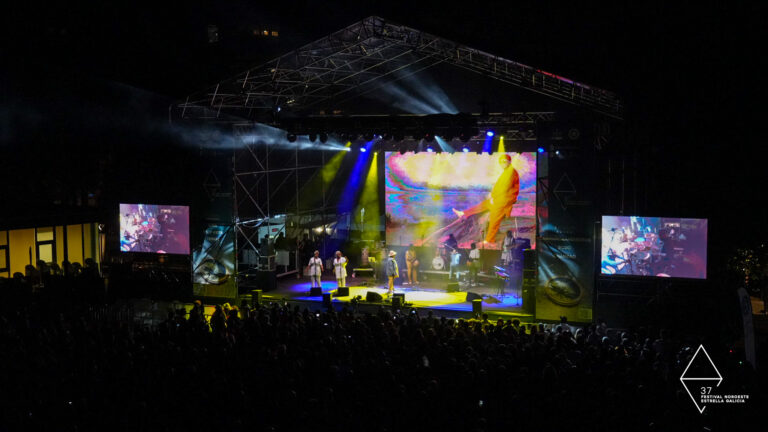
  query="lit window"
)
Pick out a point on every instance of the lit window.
point(265, 32)
point(274, 33)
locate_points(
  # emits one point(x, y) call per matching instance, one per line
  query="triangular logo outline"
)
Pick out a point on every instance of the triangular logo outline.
point(683, 378)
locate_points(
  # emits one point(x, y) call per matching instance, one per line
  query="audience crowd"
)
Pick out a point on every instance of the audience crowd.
point(282, 367)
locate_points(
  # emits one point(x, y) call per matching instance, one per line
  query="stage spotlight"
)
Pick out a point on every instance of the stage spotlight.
point(541, 150)
point(430, 149)
point(465, 149)
point(291, 137)
point(363, 149)
point(323, 137)
point(489, 133)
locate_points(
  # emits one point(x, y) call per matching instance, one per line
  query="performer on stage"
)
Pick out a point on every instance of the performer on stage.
point(507, 245)
point(392, 272)
point(455, 262)
point(473, 264)
point(315, 268)
point(452, 243)
point(412, 266)
point(340, 269)
point(500, 200)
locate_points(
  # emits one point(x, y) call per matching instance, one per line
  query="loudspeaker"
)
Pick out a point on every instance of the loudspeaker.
point(315, 292)
point(529, 259)
point(529, 290)
point(327, 300)
point(472, 297)
point(373, 296)
point(452, 287)
point(477, 306)
point(398, 300)
point(256, 296)
point(342, 292)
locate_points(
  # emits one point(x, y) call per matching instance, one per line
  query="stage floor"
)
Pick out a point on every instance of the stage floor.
point(427, 295)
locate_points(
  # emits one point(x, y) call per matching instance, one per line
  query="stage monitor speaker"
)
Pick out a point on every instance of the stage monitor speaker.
point(315, 292)
point(477, 306)
point(398, 300)
point(472, 297)
point(373, 297)
point(256, 297)
point(452, 287)
point(529, 259)
point(342, 292)
point(327, 300)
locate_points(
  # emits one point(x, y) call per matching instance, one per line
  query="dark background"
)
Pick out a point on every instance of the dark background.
point(87, 86)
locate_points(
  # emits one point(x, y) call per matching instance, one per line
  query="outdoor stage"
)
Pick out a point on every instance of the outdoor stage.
point(431, 295)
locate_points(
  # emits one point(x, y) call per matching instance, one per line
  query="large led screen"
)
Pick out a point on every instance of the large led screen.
point(477, 198)
point(152, 228)
point(654, 246)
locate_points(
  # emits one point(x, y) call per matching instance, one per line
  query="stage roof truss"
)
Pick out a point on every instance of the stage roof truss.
point(361, 58)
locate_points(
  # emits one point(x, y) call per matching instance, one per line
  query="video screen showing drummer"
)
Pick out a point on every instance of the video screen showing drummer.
point(632, 246)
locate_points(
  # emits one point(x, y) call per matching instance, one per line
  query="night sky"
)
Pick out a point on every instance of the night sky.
point(91, 85)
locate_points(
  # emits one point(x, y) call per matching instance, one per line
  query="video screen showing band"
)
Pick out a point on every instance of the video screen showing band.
point(152, 228)
point(652, 246)
point(460, 198)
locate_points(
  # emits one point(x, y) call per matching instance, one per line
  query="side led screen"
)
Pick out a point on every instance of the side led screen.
point(153, 228)
point(653, 246)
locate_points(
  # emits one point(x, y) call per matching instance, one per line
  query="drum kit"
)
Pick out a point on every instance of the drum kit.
point(442, 256)
point(638, 254)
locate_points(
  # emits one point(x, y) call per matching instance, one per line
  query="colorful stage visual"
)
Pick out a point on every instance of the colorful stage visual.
point(652, 246)
point(475, 197)
point(154, 228)
point(213, 264)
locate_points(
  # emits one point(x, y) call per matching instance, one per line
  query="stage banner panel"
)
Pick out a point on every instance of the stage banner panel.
point(475, 197)
point(566, 251)
point(213, 264)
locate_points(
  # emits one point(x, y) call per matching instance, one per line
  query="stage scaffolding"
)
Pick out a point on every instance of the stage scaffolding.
point(267, 183)
point(367, 56)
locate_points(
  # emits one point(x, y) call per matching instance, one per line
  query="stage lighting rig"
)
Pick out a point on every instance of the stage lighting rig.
point(291, 137)
point(312, 137)
point(323, 137)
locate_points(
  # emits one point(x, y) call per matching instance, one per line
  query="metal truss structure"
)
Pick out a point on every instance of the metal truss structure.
point(363, 58)
point(307, 83)
point(267, 190)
